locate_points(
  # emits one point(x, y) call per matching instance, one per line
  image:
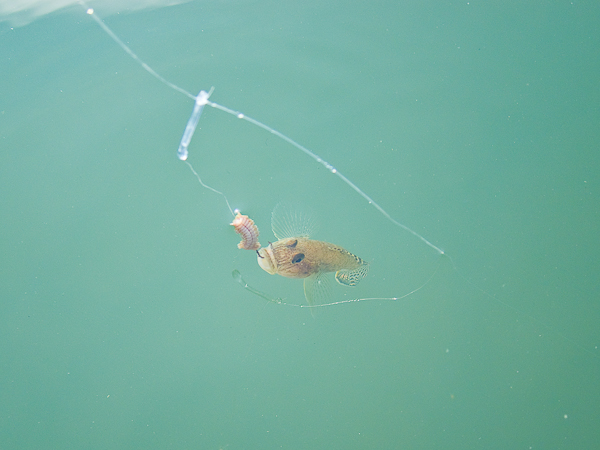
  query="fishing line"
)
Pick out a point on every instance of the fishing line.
point(203, 99)
point(237, 276)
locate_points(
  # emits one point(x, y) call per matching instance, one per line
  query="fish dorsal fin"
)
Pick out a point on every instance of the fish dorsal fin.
point(290, 221)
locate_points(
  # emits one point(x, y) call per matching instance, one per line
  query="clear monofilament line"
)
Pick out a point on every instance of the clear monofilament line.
point(202, 99)
point(130, 52)
point(210, 188)
point(328, 166)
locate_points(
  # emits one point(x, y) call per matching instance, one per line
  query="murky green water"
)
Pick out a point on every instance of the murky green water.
point(475, 125)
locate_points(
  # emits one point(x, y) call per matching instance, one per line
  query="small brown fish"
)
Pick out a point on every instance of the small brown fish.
point(300, 257)
point(295, 255)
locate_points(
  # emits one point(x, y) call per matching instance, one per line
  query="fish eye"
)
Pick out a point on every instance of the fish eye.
point(293, 245)
point(297, 258)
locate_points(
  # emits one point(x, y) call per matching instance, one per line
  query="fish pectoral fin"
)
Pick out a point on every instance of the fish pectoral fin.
point(317, 289)
point(352, 277)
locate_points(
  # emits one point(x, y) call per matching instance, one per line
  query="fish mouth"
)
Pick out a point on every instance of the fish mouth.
point(266, 261)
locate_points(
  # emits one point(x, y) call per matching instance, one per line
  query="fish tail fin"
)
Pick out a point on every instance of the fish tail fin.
point(352, 277)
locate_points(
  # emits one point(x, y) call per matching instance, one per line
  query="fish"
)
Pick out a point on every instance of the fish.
point(296, 255)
